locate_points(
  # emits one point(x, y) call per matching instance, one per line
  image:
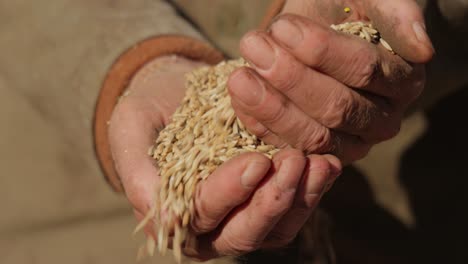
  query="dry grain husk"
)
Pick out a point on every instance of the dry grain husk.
point(204, 132)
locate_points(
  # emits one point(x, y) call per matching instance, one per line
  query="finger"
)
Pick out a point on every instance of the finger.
point(131, 132)
point(320, 96)
point(250, 94)
point(135, 120)
point(319, 175)
point(258, 128)
point(246, 228)
point(346, 58)
point(401, 23)
point(228, 186)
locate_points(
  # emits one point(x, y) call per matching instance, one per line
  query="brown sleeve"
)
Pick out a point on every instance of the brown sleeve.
point(127, 65)
point(119, 76)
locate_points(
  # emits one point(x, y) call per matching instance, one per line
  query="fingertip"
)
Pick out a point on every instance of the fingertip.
point(404, 28)
point(226, 188)
point(257, 166)
point(423, 54)
point(243, 44)
point(426, 49)
point(236, 80)
point(247, 88)
point(418, 47)
point(251, 167)
point(335, 165)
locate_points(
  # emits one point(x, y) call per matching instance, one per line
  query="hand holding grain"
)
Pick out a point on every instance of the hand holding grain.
point(323, 91)
point(247, 203)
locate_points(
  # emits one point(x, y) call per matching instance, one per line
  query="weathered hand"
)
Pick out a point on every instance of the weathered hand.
point(237, 216)
point(248, 203)
point(327, 92)
point(152, 96)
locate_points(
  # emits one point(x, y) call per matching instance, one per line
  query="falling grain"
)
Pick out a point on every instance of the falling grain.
point(204, 132)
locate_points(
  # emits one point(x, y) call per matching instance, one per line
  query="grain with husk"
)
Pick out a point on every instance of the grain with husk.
point(203, 133)
point(364, 30)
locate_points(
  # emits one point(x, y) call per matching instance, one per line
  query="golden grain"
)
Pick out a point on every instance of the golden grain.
point(363, 30)
point(203, 133)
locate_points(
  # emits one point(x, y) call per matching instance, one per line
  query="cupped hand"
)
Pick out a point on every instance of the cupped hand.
point(322, 91)
point(249, 202)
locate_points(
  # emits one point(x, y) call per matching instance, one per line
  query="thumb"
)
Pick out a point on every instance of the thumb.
point(131, 133)
point(401, 24)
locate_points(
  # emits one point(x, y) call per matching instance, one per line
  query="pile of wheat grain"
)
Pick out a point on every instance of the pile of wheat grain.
point(204, 132)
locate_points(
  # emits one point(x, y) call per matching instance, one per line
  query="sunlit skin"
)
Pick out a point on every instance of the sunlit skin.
point(302, 92)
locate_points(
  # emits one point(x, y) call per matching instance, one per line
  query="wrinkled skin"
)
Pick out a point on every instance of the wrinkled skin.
point(250, 202)
point(329, 93)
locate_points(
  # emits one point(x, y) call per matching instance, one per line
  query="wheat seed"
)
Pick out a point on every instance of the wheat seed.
point(363, 30)
point(204, 132)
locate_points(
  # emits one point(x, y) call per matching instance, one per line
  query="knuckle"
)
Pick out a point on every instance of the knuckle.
point(364, 66)
point(275, 205)
point(289, 75)
point(232, 245)
point(317, 41)
point(320, 170)
point(275, 112)
point(260, 131)
point(343, 109)
point(317, 141)
point(314, 46)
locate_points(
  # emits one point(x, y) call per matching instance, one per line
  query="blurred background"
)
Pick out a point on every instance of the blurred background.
point(405, 203)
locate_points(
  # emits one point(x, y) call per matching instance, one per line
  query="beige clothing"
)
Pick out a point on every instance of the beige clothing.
point(57, 207)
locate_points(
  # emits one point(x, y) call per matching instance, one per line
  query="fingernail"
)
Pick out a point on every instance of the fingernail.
point(287, 32)
point(259, 52)
point(248, 88)
point(420, 32)
point(285, 175)
point(253, 174)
